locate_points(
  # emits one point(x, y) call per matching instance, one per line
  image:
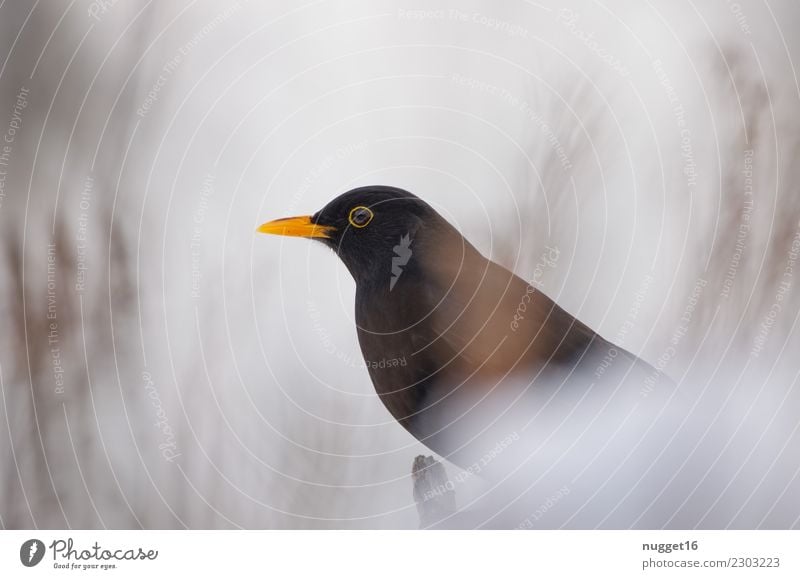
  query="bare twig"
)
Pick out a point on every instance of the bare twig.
point(433, 492)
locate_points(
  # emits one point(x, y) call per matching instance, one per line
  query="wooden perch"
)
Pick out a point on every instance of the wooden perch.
point(433, 492)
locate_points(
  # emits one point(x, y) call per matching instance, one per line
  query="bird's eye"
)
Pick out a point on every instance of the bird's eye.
point(360, 216)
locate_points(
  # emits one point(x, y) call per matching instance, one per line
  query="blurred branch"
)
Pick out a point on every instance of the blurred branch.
point(432, 491)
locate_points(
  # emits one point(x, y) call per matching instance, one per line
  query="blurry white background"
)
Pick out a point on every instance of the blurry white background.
point(163, 366)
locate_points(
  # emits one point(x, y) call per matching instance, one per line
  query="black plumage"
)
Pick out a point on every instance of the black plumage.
point(453, 341)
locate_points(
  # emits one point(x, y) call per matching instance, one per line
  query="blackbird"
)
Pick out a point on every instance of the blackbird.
point(454, 343)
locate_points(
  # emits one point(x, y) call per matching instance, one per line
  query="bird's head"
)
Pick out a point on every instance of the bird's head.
point(373, 229)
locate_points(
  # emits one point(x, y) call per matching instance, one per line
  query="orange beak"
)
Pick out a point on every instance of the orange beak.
point(296, 227)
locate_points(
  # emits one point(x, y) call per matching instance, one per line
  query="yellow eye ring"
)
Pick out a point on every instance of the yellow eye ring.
point(360, 216)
